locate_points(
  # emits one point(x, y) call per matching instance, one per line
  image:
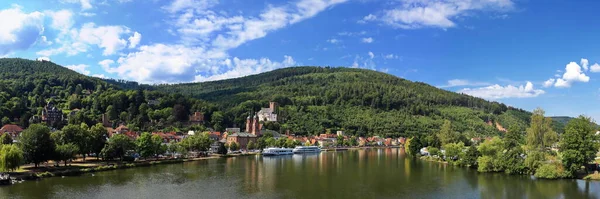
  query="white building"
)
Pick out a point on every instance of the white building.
point(268, 114)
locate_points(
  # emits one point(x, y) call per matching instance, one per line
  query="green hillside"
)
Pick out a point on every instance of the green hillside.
point(312, 100)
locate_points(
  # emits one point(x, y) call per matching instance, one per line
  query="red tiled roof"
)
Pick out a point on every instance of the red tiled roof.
point(11, 128)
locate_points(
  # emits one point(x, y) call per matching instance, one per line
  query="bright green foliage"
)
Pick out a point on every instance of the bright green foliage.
point(117, 146)
point(144, 145)
point(36, 144)
point(491, 147)
point(434, 151)
point(65, 152)
point(534, 160)
point(540, 135)
point(261, 143)
point(453, 151)
point(11, 157)
point(446, 135)
point(198, 142)
point(486, 164)
point(353, 141)
point(6, 139)
point(490, 151)
point(579, 144)
point(551, 171)
point(97, 138)
point(511, 160)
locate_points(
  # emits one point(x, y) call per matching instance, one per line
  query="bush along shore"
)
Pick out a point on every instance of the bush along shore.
point(536, 151)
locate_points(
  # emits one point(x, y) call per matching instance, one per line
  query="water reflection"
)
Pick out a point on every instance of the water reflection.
point(369, 173)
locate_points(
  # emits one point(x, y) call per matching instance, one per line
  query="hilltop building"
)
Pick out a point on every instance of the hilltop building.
point(197, 118)
point(268, 114)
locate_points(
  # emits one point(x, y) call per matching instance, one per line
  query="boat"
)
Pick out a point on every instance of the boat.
point(277, 151)
point(307, 149)
point(5, 179)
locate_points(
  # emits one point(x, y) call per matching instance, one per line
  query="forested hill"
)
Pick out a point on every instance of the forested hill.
point(312, 100)
point(356, 100)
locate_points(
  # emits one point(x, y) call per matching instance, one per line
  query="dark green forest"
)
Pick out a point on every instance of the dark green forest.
point(312, 100)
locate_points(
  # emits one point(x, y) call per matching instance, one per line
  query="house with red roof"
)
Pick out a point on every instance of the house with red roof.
point(12, 129)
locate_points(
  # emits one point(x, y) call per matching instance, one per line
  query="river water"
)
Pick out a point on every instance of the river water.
point(368, 173)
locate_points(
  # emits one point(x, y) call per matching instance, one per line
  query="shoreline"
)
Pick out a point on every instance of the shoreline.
point(107, 166)
point(100, 166)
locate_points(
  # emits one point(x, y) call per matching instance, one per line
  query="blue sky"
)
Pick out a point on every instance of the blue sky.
point(523, 53)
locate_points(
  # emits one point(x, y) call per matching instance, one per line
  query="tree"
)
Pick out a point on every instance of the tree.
point(217, 120)
point(251, 145)
point(289, 143)
point(97, 138)
point(5, 120)
point(579, 144)
point(261, 143)
point(75, 134)
point(11, 157)
point(339, 141)
point(144, 145)
point(173, 148)
point(470, 157)
point(65, 152)
point(158, 146)
point(6, 139)
point(36, 144)
point(511, 160)
point(446, 135)
point(540, 134)
point(353, 141)
point(233, 146)
point(414, 146)
point(112, 113)
point(117, 146)
point(453, 151)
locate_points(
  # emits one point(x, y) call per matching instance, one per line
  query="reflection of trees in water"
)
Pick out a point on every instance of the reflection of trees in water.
point(500, 185)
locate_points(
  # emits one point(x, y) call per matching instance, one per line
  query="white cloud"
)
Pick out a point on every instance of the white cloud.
point(334, 41)
point(462, 82)
point(573, 73)
point(85, 4)
point(179, 5)
point(102, 76)
point(499, 92)
point(595, 68)
point(584, 64)
point(549, 82)
point(437, 13)
point(111, 39)
point(44, 41)
point(371, 55)
point(19, 30)
point(87, 14)
point(244, 67)
point(62, 20)
point(134, 40)
point(43, 59)
point(391, 56)
point(367, 40)
point(80, 68)
point(362, 62)
point(367, 18)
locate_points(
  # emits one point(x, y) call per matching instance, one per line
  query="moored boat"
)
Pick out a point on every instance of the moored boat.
point(277, 151)
point(307, 149)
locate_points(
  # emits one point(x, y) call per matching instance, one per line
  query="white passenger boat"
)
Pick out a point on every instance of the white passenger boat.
point(307, 149)
point(277, 151)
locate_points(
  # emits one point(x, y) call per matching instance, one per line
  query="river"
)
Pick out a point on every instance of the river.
point(369, 173)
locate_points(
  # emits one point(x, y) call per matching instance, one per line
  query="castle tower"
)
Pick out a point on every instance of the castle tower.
point(272, 106)
point(255, 125)
point(249, 124)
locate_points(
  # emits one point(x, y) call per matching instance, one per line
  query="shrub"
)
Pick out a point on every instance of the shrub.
point(550, 171)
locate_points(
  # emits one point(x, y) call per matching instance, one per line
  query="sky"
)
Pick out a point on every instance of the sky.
point(523, 53)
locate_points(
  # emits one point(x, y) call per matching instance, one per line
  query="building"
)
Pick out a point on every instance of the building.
point(242, 139)
point(168, 137)
point(51, 114)
point(340, 133)
point(268, 114)
point(153, 102)
point(197, 118)
point(13, 130)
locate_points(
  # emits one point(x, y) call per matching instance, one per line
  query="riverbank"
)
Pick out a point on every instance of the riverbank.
point(79, 168)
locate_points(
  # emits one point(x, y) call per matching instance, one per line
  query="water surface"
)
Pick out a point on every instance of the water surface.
point(370, 173)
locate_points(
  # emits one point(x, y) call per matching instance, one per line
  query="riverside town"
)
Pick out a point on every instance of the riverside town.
point(299, 99)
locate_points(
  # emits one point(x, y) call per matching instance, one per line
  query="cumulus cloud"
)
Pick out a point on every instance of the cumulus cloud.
point(584, 64)
point(62, 20)
point(410, 14)
point(371, 55)
point(352, 33)
point(111, 39)
point(499, 92)
point(43, 59)
point(367, 40)
point(595, 68)
point(134, 40)
point(205, 38)
point(80, 68)
point(85, 4)
point(549, 82)
point(367, 18)
point(573, 73)
point(364, 62)
point(19, 30)
point(462, 82)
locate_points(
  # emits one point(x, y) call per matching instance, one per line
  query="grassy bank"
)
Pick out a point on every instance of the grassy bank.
point(76, 169)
